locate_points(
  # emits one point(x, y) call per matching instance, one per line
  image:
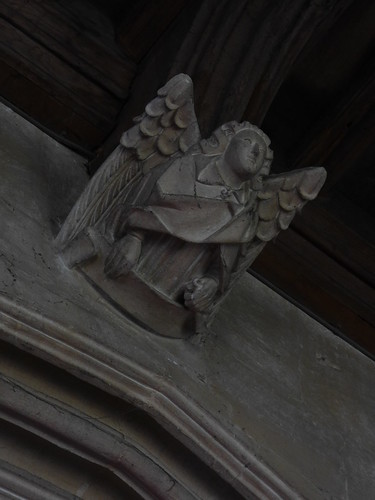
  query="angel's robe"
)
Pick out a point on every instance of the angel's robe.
point(188, 200)
point(193, 209)
point(177, 202)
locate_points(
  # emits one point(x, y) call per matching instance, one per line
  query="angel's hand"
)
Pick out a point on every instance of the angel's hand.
point(200, 293)
point(123, 256)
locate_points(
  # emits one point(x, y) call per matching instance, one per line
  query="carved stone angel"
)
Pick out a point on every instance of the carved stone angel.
point(170, 221)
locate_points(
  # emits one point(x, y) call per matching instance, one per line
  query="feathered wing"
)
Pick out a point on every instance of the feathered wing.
point(167, 128)
point(283, 195)
point(278, 201)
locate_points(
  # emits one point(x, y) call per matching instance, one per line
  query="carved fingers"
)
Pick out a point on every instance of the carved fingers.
point(200, 293)
point(123, 256)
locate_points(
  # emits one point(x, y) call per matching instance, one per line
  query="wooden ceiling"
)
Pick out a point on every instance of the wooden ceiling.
point(302, 70)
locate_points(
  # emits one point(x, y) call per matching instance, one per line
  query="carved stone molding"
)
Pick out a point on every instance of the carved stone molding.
point(91, 439)
point(180, 414)
point(17, 483)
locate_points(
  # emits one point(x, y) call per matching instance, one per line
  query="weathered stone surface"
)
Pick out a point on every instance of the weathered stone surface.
point(268, 398)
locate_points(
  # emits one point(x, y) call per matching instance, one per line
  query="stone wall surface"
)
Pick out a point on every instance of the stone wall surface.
point(269, 399)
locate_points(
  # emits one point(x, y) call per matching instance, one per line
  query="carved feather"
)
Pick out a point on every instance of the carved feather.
point(167, 120)
point(283, 195)
point(267, 230)
point(156, 107)
point(150, 126)
point(167, 127)
point(120, 161)
point(168, 142)
point(184, 116)
point(170, 118)
point(268, 208)
point(188, 137)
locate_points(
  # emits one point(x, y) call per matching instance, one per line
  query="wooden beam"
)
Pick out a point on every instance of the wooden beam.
point(153, 74)
point(52, 115)
point(337, 240)
point(340, 138)
point(239, 53)
point(43, 67)
point(319, 284)
point(54, 93)
point(144, 23)
point(76, 36)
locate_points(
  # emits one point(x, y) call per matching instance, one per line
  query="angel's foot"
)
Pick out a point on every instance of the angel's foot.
point(123, 256)
point(79, 250)
point(200, 293)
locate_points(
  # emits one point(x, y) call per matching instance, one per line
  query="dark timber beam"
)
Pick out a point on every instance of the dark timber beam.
point(344, 134)
point(143, 23)
point(237, 53)
point(320, 285)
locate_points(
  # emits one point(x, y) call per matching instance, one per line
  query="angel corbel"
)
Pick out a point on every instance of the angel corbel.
point(170, 221)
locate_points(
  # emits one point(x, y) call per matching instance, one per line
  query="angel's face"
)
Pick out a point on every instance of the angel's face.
point(244, 155)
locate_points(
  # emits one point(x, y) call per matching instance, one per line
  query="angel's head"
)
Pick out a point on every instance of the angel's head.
point(247, 155)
